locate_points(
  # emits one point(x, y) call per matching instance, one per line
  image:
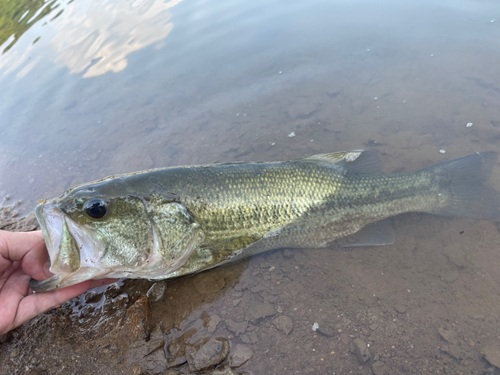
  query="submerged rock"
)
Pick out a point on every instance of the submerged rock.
point(212, 322)
point(210, 353)
point(492, 354)
point(156, 292)
point(241, 354)
point(283, 323)
point(260, 310)
point(361, 350)
point(235, 327)
point(139, 321)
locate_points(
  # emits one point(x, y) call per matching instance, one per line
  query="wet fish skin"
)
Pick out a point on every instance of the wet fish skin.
point(170, 222)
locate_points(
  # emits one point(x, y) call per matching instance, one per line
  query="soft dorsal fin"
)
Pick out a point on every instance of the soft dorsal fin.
point(357, 160)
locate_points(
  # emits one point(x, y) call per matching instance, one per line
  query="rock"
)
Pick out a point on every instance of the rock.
point(452, 351)
point(137, 351)
point(235, 327)
point(447, 335)
point(156, 292)
point(211, 353)
point(208, 282)
point(283, 323)
point(380, 368)
point(492, 354)
point(154, 363)
point(139, 320)
point(249, 338)
point(400, 308)
point(288, 254)
point(258, 311)
point(302, 110)
point(308, 346)
point(212, 323)
point(325, 329)
point(226, 370)
point(361, 350)
point(344, 338)
point(172, 372)
point(157, 340)
point(241, 354)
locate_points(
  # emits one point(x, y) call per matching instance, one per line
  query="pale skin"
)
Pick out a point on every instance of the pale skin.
point(23, 256)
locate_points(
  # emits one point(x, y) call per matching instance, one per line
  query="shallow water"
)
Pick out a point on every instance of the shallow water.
point(109, 87)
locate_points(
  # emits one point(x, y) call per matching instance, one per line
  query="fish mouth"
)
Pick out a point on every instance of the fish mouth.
point(73, 252)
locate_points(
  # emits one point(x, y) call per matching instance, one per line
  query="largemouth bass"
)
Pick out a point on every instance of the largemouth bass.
point(165, 223)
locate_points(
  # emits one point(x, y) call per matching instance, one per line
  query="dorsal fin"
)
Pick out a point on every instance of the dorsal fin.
point(357, 160)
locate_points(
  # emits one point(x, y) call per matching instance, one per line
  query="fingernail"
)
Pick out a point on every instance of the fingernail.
point(46, 269)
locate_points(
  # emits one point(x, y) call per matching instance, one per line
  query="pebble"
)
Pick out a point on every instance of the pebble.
point(156, 292)
point(139, 321)
point(447, 335)
point(212, 323)
point(283, 323)
point(211, 353)
point(361, 350)
point(241, 355)
point(259, 311)
point(235, 327)
point(492, 354)
point(400, 308)
point(325, 329)
point(380, 368)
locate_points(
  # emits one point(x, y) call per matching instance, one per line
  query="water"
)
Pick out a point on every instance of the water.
point(109, 87)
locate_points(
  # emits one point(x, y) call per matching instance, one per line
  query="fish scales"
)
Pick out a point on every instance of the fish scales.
point(170, 222)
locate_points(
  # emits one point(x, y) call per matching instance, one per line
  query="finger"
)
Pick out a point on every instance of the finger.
point(15, 245)
point(27, 247)
point(36, 304)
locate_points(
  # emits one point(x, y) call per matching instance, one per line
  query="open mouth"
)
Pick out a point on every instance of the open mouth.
point(51, 224)
point(71, 250)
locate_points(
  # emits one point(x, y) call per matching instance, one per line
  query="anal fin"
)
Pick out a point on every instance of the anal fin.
point(378, 233)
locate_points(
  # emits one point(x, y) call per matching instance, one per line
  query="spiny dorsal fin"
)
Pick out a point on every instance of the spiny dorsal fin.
point(357, 160)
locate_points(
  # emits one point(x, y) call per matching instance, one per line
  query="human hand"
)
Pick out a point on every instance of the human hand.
point(23, 256)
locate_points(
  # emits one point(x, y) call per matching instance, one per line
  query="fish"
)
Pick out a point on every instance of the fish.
point(169, 222)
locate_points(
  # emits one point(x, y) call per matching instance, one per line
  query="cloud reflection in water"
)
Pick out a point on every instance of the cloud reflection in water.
point(98, 38)
point(93, 37)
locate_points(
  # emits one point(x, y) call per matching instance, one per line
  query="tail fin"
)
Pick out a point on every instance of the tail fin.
point(465, 179)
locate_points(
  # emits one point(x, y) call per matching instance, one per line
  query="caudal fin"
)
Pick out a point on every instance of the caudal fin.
point(465, 179)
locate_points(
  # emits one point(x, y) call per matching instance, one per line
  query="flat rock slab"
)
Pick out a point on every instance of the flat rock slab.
point(283, 323)
point(361, 350)
point(492, 354)
point(208, 354)
point(259, 311)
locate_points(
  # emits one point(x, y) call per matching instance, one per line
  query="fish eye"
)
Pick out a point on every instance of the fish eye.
point(95, 208)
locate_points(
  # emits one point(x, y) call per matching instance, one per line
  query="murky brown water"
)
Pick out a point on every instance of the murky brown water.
point(109, 87)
